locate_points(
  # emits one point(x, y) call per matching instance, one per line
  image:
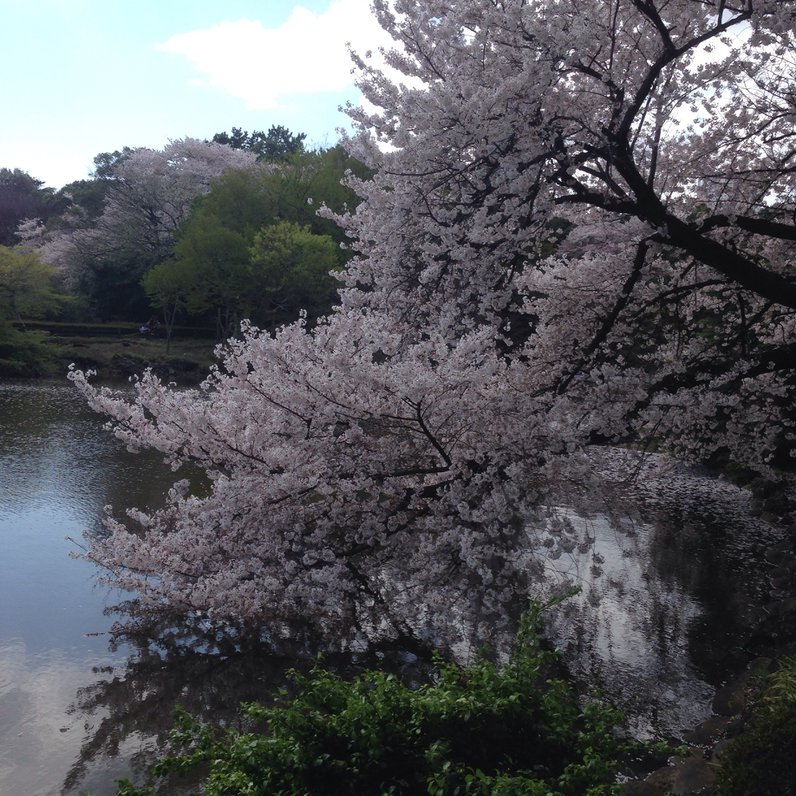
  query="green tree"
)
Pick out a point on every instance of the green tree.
point(256, 247)
point(85, 196)
point(27, 290)
point(25, 353)
point(27, 285)
point(290, 269)
point(286, 268)
point(292, 190)
point(212, 263)
point(275, 145)
point(325, 178)
point(242, 200)
point(209, 274)
point(106, 163)
point(167, 287)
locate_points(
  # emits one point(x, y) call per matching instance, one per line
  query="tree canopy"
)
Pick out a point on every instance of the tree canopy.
point(27, 285)
point(275, 145)
point(23, 197)
point(28, 290)
point(291, 268)
point(223, 264)
point(143, 204)
point(579, 229)
point(147, 195)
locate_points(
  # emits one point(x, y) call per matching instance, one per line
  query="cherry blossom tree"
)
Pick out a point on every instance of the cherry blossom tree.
point(661, 137)
point(580, 230)
point(149, 195)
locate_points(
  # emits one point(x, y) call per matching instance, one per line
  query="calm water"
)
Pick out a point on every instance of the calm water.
point(58, 468)
point(658, 629)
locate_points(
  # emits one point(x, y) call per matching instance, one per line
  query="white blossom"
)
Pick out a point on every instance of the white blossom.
point(554, 252)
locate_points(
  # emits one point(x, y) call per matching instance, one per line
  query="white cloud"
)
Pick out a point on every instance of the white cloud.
point(264, 66)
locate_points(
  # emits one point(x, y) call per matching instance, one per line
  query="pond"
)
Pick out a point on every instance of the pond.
point(58, 468)
point(659, 629)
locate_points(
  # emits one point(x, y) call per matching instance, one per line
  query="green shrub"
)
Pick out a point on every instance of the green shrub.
point(478, 729)
point(762, 760)
point(25, 354)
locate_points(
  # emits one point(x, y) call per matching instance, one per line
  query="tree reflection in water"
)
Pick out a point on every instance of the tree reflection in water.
point(130, 712)
point(683, 576)
point(670, 581)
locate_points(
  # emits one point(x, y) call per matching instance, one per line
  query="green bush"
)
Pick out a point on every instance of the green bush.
point(762, 760)
point(478, 729)
point(25, 354)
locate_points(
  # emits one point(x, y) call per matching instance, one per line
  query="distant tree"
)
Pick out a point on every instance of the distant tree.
point(27, 285)
point(86, 197)
point(291, 271)
point(293, 190)
point(242, 200)
point(149, 194)
point(275, 145)
point(27, 290)
point(285, 269)
point(212, 262)
point(25, 353)
point(167, 286)
point(248, 205)
point(328, 187)
point(106, 164)
point(21, 197)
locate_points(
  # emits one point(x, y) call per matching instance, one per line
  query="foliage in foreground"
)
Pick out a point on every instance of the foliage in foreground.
point(761, 762)
point(478, 729)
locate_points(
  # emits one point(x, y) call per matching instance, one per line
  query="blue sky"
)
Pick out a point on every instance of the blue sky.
point(79, 77)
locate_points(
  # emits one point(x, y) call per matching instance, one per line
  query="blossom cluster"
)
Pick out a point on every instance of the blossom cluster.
point(580, 232)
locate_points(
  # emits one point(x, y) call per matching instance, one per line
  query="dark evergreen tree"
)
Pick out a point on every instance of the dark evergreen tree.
point(276, 145)
point(21, 197)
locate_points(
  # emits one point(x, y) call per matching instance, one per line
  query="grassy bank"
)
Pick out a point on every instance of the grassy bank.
point(119, 356)
point(113, 350)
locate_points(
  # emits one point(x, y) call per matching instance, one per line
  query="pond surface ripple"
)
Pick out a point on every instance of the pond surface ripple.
point(681, 570)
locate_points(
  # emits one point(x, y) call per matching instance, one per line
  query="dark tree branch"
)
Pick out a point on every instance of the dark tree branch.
point(758, 226)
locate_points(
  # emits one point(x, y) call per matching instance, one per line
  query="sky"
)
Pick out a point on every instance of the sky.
point(80, 77)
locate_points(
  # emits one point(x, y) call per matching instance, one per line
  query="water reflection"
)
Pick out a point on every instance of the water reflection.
point(658, 629)
point(207, 675)
point(682, 577)
point(627, 634)
point(130, 710)
point(57, 469)
point(38, 739)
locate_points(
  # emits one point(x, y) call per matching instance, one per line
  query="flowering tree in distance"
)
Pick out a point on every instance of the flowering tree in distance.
point(150, 193)
point(580, 230)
